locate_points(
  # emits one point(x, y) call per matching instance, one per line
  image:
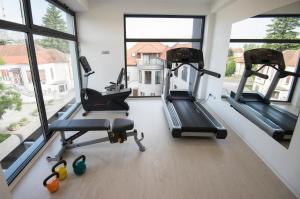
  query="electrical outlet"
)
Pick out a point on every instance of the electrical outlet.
point(105, 52)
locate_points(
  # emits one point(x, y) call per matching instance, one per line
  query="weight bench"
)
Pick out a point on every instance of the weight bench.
point(117, 133)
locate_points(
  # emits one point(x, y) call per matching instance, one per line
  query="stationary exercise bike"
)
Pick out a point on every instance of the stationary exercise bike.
point(111, 100)
point(116, 86)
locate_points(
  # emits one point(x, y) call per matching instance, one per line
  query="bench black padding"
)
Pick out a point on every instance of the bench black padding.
point(80, 125)
point(121, 125)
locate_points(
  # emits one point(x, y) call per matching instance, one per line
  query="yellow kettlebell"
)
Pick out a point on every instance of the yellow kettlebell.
point(61, 168)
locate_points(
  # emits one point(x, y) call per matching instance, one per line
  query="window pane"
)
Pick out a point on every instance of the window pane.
point(267, 28)
point(184, 73)
point(147, 27)
point(150, 56)
point(157, 77)
point(48, 15)
point(57, 66)
point(235, 68)
point(19, 116)
point(12, 10)
point(148, 77)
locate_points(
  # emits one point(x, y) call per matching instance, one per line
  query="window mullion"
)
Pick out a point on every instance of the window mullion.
point(27, 13)
point(37, 83)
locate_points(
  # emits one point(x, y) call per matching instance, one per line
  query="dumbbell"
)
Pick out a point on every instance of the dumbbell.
point(79, 166)
point(51, 182)
point(60, 168)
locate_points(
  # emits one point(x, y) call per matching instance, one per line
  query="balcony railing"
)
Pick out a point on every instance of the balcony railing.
point(154, 61)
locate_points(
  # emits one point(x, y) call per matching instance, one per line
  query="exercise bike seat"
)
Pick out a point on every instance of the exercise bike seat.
point(121, 125)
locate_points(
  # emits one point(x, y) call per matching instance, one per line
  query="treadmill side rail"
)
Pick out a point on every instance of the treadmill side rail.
point(173, 122)
point(221, 131)
point(264, 123)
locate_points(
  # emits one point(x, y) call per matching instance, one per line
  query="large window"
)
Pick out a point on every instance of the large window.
point(39, 77)
point(148, 38)
point(281, 33)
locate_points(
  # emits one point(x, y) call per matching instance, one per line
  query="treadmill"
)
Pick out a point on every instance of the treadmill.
point(185, 115)
point(256, 107)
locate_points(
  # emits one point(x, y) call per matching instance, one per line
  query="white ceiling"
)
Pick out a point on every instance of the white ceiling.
point(171, 1)
point(82, 5)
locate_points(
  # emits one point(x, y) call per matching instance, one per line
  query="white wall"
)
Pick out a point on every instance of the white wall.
point(4, 191)
point(102, 28)
point(285, 163)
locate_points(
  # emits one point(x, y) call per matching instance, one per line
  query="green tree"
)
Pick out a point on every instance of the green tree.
point(54, 20)
point(9, 99)
point(283, 28)
point(2, 62)
point(230, 67)
point(250, 46)
point(230, 52)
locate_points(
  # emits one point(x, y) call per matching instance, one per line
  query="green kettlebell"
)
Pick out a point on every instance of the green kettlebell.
point(79, 165)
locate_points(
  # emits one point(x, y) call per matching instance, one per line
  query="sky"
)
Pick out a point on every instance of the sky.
point(10, 10)
point(252, 28)
point(159, 28)
point(144, 27)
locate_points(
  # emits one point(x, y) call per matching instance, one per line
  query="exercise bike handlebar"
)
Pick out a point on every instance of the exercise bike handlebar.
point(208, 72)
point(89, 73)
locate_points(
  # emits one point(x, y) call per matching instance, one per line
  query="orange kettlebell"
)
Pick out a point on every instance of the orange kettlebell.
point(51, 182)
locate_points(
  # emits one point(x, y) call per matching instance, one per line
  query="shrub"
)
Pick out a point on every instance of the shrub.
point(13, 126)
point(230, 67)
point(23, 121)
point(50, 102)
point(3, 136)
point(34, 113)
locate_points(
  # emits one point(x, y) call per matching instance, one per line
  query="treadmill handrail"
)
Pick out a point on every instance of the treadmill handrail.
point(202, 70)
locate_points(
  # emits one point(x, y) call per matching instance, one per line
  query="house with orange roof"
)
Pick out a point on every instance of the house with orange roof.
point(145, 65)
point(55, 71)
point(145, 68)
point(291, 58)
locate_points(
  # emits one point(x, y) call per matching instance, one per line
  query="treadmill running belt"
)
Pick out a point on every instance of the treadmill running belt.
point(191, 119)
point(286, 121)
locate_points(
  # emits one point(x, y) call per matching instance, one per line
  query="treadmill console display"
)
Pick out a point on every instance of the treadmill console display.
point(264, 56)
point(185, 55)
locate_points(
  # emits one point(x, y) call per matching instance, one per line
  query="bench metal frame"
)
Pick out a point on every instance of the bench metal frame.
point(67, 143)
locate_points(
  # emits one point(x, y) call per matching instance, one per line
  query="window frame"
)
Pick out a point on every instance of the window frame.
point(294, 80)
point(196, 40)
point(30, 29)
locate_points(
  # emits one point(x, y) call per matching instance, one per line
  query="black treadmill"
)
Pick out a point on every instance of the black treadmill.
point(274, 120)
point(186, 116)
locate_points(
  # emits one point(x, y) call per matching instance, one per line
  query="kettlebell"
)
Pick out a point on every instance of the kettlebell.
point(61, 168)
point(51, 182)
point(79, 165)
